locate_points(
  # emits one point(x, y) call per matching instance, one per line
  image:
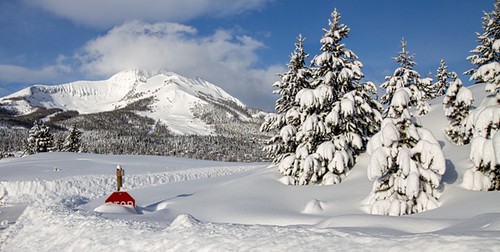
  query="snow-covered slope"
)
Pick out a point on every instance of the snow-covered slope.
point(171, 97)
point(55, 202)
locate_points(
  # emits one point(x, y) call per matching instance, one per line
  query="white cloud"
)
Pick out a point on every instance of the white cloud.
point(99, 13)
point(222, 58)
point(20, 74)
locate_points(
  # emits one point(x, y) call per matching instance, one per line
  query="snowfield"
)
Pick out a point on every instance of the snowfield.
point(55, 202)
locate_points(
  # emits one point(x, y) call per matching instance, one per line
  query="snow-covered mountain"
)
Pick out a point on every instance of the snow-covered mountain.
point(163, 96)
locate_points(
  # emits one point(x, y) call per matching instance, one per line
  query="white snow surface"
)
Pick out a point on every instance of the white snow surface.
point(173, 97)
point(55, 202)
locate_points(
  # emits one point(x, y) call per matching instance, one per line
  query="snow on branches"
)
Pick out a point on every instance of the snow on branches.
point(40, 139)
point(486, 55)
point(484, 122)
point(330, 118)
point(284, 123)
point(406, 162)
point(406, 76)
point(456, 105)
point(442, 79)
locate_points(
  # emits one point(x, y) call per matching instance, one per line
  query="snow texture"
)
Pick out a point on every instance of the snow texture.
point(194, 205)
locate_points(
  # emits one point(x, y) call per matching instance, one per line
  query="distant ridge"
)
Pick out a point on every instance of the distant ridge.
point(161, 95)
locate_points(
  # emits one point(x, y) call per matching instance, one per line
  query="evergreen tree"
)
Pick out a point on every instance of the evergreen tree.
point(483, 123)
point(297, 78)
point(406, 76)
point(486, 55)
point(406, 162)
point(287, 119)
point(456, 105)
point(442, 79)
point(40, 139)
point(59, 142)
point(424, 93)
point(31, 141)
point(335, 115)
point(72, 142)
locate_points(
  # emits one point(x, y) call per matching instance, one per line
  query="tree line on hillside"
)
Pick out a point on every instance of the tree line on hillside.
point(125, 132)
point(326, 116)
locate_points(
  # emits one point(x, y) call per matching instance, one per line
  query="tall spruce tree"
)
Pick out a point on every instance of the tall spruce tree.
point(335, 115)
point(483, 123)
point(406, 162)
point(40, 139)
point(442, 79)
point(406, 76)
point(286, 120)
point(72, 142)
point(486, 55)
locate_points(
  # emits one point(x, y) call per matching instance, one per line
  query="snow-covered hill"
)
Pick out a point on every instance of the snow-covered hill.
point(55, 202)
point(169, 98)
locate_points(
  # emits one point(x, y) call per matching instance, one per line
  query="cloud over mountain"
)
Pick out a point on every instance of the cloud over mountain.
point(224, 57)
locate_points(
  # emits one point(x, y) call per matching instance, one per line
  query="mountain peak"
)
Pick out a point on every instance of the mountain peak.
point(165, 96)
point(139, 74)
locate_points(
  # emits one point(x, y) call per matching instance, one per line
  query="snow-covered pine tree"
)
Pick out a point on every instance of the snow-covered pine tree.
point(337, 114)
point(287, 118)
point(484, 122)
point(31, 141)
point(456, 105)
point(406, 76)
point(442, 79)
point(58, 142)
point(40, 139)
point(297, 78)
point(482, 126)
point(72, 142)
point(486, 55)
point(406, 162)
point(425, 92)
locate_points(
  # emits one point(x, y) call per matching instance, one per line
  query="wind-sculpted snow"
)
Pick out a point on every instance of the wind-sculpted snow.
point(188, 205)
point(57, 228)
point(92, 186)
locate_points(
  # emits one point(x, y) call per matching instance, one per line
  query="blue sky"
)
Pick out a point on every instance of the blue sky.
point(238, 45)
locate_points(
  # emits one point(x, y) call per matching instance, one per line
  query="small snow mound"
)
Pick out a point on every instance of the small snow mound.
point(162, 205)
point(184, 221)
point(115, 209)
point(314, 207)
point(4, 224)
point(287, 180)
